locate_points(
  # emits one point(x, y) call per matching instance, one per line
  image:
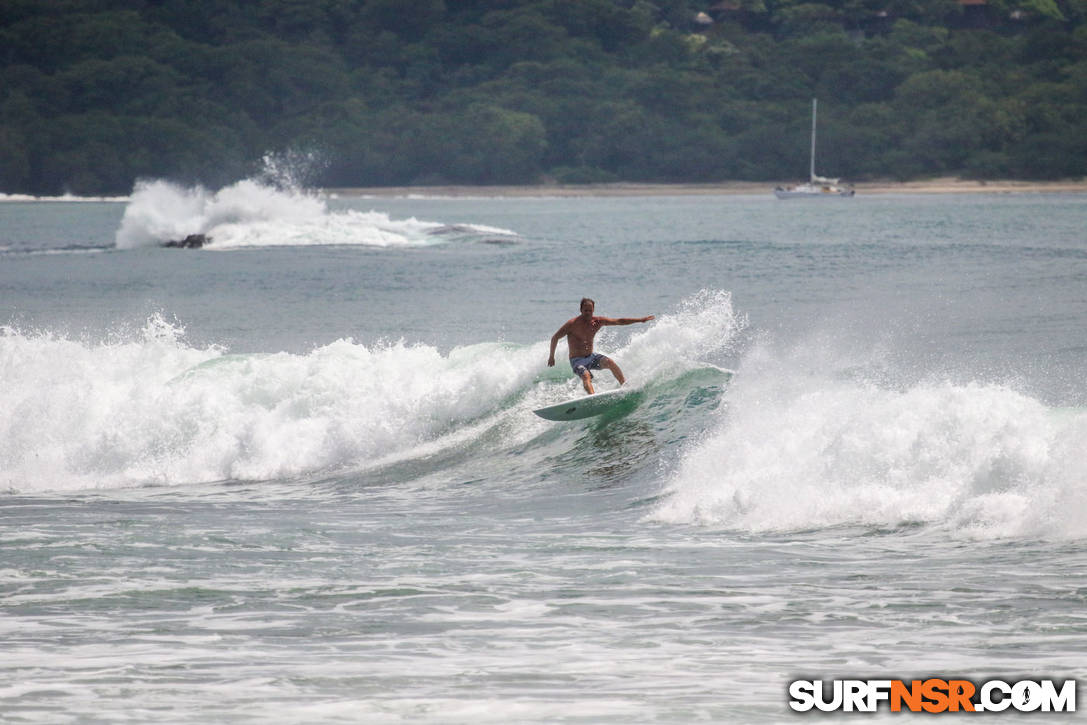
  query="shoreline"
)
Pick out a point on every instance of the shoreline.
point(723, 188)
point(937, 186)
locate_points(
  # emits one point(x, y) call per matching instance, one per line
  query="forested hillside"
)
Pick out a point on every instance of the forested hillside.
point(96, 93)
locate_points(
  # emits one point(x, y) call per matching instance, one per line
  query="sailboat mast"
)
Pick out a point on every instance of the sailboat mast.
point(813, 140)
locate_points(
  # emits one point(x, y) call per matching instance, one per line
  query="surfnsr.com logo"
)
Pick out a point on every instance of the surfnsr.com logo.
point(932, 695)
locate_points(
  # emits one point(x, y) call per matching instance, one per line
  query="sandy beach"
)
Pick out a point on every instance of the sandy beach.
point(930, 186)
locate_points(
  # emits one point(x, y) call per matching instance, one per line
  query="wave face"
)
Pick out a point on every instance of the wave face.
point(254, 213)
point(152, 409)
point(798, 446)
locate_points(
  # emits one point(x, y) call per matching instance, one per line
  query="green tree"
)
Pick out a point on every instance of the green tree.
point(96, 92)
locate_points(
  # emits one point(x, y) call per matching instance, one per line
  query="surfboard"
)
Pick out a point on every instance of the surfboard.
point(585, 406)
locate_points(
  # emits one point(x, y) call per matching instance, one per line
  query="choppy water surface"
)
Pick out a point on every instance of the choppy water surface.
point(294, 476)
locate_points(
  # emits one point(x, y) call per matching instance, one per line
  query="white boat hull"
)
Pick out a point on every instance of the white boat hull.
point(806, 191)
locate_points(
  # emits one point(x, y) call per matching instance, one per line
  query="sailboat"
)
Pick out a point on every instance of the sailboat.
point(816, 186)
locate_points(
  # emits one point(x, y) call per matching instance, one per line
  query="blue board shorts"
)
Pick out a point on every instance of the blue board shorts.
point(582, 365)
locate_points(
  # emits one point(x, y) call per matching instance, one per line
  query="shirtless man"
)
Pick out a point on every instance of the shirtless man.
point(580, 332)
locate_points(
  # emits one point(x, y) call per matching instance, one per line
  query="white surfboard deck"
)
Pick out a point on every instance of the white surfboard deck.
point(586, 406)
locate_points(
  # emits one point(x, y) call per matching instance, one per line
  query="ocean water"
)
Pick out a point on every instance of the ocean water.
point(294, 476)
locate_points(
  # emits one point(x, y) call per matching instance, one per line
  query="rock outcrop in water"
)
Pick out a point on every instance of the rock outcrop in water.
point(193, 241)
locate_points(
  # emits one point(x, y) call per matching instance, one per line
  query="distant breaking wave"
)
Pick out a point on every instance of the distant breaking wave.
point(253, 213)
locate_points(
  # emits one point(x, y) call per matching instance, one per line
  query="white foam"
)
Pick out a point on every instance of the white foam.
point(800, 447)
point(252, 213)
point(155, 410)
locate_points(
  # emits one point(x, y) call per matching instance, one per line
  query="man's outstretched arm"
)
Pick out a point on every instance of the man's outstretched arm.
point(625, 320)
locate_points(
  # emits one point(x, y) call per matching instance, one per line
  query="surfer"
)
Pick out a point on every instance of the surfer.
point(580, 332)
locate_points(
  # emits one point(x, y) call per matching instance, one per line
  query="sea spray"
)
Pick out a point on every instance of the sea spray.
point(801, 447)
point(293, 169)
point(259, 213)
point(704, 328)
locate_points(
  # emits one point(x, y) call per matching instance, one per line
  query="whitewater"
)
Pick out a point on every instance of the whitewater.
point(251, 213)
point(294, 475)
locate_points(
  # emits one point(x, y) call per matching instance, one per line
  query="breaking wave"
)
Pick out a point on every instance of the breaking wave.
point(256, 213)
point(152, 409)
point(798, 446)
